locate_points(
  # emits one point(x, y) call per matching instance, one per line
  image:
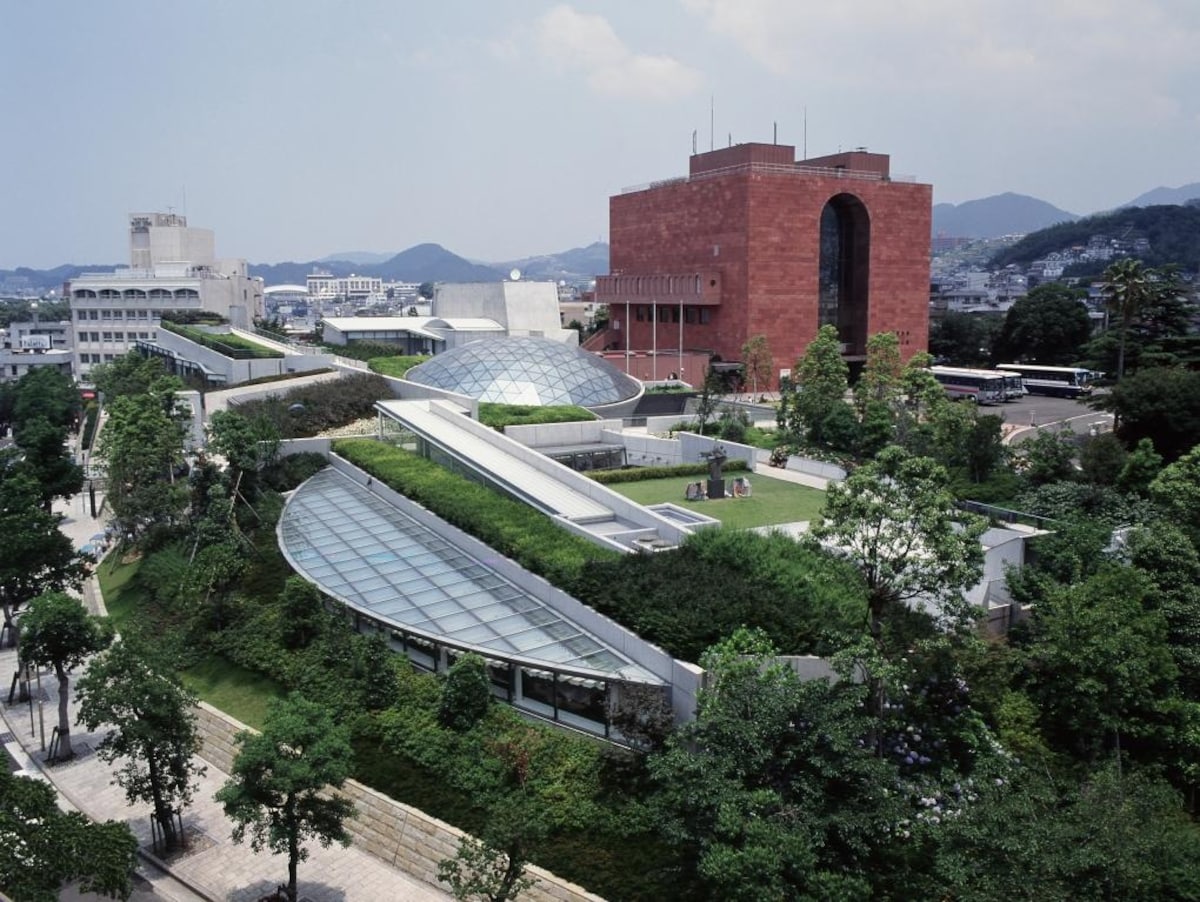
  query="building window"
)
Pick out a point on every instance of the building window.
point(705, 316)
point(640, 313)
point(689, 314)
point(674, 314)
point(107, 336)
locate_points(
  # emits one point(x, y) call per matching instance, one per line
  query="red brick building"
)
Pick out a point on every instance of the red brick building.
point(753, 242)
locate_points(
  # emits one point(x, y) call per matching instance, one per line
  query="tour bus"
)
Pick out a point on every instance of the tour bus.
point(1060, 381)
point(980, 386)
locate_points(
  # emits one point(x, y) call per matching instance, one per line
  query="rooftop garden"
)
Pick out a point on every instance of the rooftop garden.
point(396, 367)
point(226, 343)
point(500, 415)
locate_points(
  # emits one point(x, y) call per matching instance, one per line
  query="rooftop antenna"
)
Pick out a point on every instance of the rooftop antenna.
point(693, 142)
point(774, 132)
point(805, 157)
point(731, 139)
point(711, 121)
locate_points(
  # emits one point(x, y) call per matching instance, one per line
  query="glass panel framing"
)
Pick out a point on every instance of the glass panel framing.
point(374, 557)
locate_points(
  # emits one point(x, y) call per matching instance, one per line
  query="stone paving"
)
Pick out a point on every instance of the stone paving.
point(215, 868)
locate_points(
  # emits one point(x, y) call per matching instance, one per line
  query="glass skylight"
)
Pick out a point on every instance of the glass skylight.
point(361, 550)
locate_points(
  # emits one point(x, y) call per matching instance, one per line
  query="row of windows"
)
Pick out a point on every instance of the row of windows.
point(661, 284)
point(137, 294)
point(81, 315)
point(692, 315)
point(97, 358)
point(116, 336)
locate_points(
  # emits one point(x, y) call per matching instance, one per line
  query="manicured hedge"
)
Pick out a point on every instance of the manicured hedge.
point(512, 528)
point(500, 415)
point(396, 367)
point(637, 474)
point(226, 343)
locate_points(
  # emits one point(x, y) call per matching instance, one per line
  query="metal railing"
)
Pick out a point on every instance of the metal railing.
point(1005, 515)
point(792, 169)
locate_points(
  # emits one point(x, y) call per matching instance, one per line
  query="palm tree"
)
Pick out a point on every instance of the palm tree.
point(1128, 286)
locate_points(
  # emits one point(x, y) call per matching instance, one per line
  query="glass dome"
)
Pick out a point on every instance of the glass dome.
point(535, 371)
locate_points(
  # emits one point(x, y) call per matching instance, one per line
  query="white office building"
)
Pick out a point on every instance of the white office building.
point(172, 267)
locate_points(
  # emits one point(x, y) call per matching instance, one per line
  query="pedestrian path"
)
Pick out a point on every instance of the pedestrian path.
point(213, 867)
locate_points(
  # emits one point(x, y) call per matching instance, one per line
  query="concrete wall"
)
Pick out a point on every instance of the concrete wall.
point(621, 506)
point(692, 447)
point(683, 677)
point(403, 836)
point(222, 400)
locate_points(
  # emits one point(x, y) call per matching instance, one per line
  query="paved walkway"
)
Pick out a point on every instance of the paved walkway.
point(214, 868)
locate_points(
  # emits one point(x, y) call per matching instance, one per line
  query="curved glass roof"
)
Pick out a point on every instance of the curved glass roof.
point(526, 371)
point(367, 553)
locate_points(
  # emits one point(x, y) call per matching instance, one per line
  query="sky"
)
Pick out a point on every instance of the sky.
point(499, 128)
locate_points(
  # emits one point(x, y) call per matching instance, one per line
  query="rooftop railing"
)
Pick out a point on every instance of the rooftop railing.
point(788, 169)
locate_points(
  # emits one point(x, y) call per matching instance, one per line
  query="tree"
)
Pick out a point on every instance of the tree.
point(129, 374)
point(756, 357)
point(880, 381)
point(35, 556)
point(42, 847)
point(1142, 464)
point(896, 521)
point(1047, 457)
point(47, 393)
point(277, 790)
point(153, 735)
point(1128, 288)
point(425, 290)
point(818, 388)
point(142, 446)
point(1102, 459)
point(56, 630)
point(1101, 662)
point(1049, 325)
point(1176, 490)
point(46, 458)
point(301, 612)
point(1158, 403)
point(964, 339)
point(770, 790)
point(249, 445)
point(466, 694)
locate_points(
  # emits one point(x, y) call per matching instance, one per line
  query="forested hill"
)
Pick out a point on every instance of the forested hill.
point(1173, 233)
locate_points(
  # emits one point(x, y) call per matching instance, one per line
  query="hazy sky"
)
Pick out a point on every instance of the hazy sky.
point(499, 128)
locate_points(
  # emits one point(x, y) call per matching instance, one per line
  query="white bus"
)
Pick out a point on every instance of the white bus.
point(980, 386)
point(1059, 381)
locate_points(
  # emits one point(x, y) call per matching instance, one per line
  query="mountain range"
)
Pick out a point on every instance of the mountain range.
point(1020, 214)
point(988, 217)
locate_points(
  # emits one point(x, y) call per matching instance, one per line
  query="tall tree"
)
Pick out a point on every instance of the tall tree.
point(1128, 286)
point(770, 789)
point(43, 848)
point(277, 790)
point(35, 556)
point(142, 446)
point(247, 444)
point(818, 388)
point(132, 689)
point(57, 631)
point(45, 392)
point(896, 520)
point(47, 458)
point(756, 356)
point(1049, 325)
point(129, 374)
point(1159, 403)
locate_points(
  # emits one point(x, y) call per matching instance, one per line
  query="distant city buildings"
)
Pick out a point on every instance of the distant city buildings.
point(172, 267)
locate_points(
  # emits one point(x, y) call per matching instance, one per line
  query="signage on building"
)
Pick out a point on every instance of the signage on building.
point(35, 342)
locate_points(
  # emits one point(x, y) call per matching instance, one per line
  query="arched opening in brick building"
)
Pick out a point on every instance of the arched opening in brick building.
point(844, 270)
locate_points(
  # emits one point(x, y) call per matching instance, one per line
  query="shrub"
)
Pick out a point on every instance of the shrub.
point(637, 474)
point(498, 416)
point(510, 527)
point(285, 473)
point(396, 367)
point(307, 410)
point(466, 694)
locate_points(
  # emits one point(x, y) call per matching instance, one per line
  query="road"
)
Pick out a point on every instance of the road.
point(1034, 411)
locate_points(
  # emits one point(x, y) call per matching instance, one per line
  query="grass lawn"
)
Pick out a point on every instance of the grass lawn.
point(772, 500)
point(238, 692)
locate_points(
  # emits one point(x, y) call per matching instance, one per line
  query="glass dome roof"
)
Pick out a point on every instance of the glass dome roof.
point(526, 371)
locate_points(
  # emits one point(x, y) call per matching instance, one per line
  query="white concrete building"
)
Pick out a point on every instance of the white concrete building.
point(172, 267)
point(29, 345)
point(324, 286)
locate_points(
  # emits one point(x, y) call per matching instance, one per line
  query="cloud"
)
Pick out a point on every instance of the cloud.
point(1081, 57)
point(572, 41)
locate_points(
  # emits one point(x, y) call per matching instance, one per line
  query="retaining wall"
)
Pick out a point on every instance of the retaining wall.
point(402, 836)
